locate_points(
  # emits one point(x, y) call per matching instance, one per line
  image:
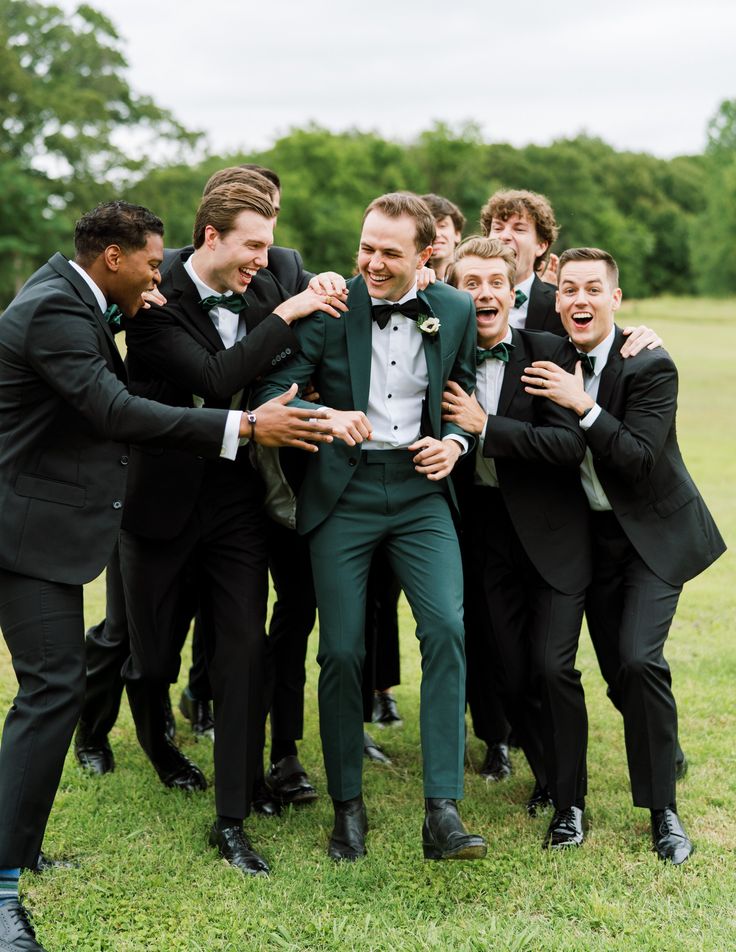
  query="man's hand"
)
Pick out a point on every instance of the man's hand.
point(154, 296)
point(279, 425)
point(550, 272)
point(425, 277)
point(350, 426)
point(309, 393)
point(545, 379)
point(463, 409)
point(435, 458)
point(637, 338)
point(309, 301)
point(328, 282)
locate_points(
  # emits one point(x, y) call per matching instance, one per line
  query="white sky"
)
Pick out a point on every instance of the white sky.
point(642, 74)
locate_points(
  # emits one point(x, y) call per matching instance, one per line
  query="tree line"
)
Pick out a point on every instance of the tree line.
point(72, 133)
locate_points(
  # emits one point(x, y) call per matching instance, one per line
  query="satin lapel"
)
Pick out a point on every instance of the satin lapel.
point(512, 373)
point(358, 323)
point(433, 355)
point(192, 316)
point(612, 371)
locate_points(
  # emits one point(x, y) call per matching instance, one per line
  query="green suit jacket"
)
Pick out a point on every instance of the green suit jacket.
point(336, 356)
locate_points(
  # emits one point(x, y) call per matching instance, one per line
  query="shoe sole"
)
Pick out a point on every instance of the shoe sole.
point(465, 852)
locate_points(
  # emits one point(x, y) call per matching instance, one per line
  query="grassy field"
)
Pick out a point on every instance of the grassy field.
point(148, 881)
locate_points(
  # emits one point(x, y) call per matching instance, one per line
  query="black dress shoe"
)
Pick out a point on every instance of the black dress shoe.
point(288, 782)
point(565, 829)
point(671, 842)
point(199, 715)
point(175, 770)
point(263, 802)
point(497, 765)
point(347, 841)
point(539, 801)
point(233, 845)
point(444, 836)
point(681, 766)
point(385, 711)
point(373, 751)
point(44, 863)
point(16, 932)
point(95, 760)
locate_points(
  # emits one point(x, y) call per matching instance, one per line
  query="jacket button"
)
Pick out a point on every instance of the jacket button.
point(288, 350)
point(123, 460)
point(117, 504)
point(352, 461)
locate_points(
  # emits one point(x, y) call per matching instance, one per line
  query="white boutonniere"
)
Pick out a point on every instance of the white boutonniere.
point(428, 324)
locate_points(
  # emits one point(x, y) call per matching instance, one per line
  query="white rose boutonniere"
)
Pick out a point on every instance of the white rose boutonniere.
point(428, 324)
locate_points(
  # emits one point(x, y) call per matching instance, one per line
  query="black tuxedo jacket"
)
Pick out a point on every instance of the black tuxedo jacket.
point(537, 447)
point(175, 354)
point(638, 462)
point(66, 419)
point(541, 314)
point(284, 264)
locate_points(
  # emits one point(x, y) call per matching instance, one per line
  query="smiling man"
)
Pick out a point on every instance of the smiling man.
point(525, 544)
point(651, 530)
point(449, 222)
point(66, 419)
point(205, 348)
point(381, 373)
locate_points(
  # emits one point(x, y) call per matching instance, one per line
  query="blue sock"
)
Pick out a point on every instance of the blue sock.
point(9, 885)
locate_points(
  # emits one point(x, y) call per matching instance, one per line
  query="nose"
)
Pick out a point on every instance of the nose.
point(157, 277)
point(261, 259)
point(376, 262)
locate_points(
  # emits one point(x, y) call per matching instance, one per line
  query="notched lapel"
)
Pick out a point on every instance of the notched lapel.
point(512, 374)
point(432, 344)
point(358, 323)
point(612, 371)
point(197, 322)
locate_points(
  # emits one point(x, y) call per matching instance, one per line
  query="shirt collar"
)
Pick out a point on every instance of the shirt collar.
point(202, 289)
point(526, 286)
point(409, 296)
point(99, 296)
point(601, 352)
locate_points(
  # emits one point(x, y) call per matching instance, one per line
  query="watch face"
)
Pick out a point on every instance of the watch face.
point(251, 418)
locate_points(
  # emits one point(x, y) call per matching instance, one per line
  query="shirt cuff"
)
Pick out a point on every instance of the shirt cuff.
point(458, 439)
point(231, 439)
point(589, 419)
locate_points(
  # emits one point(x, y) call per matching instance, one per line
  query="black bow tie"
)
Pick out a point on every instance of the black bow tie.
point(382, 312)
point(233, 302)
point(500, 351)
point(587, 362)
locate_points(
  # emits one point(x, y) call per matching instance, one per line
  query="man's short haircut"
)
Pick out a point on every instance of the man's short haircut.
point(114, 223)
point(442, 207)
point(262, 170)
point(222, 205)
point(505, 203)
point(241, 175)
point(590, 254)
point(396, 204)
point(478, 246)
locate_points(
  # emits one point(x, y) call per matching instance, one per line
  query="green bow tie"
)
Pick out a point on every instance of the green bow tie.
point(113, 314)
point(500, 351)
point(519, 298)
point(587, 362)
point(233, 302)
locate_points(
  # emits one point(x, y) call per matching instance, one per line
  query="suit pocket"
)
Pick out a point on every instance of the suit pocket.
point(50, 490)
point(678, 498)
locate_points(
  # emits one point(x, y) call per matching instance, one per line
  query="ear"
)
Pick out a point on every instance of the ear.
point(210, 235)
point(112, 256)
point(424, 257)
point(616, 299)
point(557, 301)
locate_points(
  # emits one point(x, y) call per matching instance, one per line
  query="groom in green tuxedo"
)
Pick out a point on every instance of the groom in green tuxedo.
point(380, 371)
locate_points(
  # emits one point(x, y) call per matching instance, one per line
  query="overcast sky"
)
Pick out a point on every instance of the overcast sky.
point(642, 74)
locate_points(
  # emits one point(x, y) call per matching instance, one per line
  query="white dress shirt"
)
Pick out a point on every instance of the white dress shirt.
point(591, 484)
point(489, 380)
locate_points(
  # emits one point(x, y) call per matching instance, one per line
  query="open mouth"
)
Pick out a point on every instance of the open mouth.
point(582, 319)
point(486, 312)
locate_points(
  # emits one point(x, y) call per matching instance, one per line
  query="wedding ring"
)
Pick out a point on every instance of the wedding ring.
point(328, 299)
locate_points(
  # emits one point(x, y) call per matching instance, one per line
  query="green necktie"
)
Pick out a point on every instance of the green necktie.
point(500, 351)
point(113, 314)
point(233, 302)
point(519, 298)
point(587, 362)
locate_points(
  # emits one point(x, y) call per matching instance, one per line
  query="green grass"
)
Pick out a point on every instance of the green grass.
point(148, 881)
